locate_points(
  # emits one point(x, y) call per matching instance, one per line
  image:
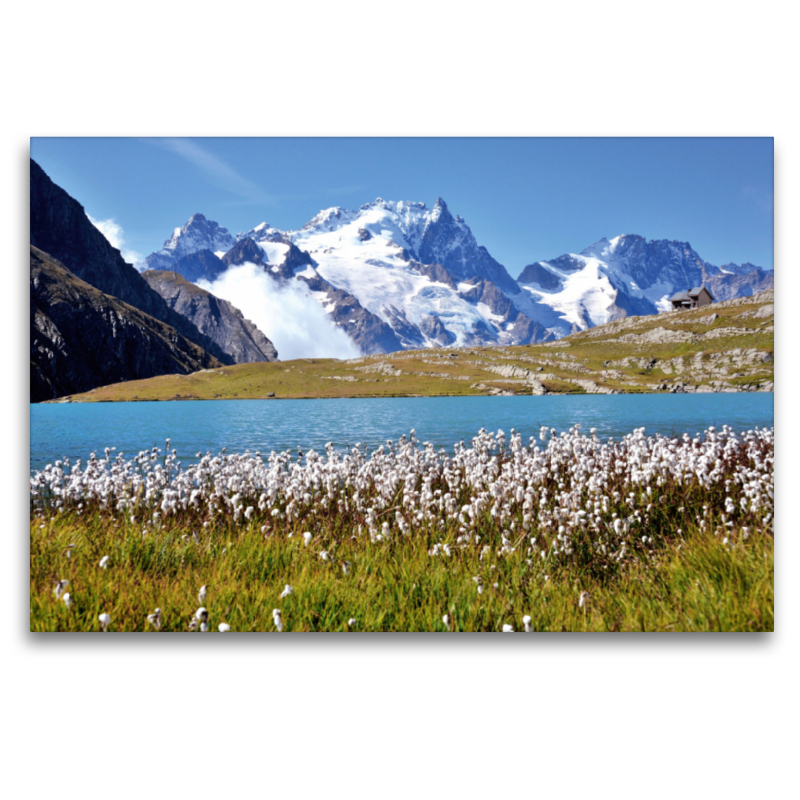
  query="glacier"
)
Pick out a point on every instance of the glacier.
point(395, 275)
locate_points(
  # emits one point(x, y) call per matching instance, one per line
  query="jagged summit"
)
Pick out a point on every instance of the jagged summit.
point(626, 275)
point(199, 233)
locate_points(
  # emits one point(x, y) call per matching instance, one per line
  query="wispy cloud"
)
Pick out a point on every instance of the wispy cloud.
point(116, 237)
point(215, 169)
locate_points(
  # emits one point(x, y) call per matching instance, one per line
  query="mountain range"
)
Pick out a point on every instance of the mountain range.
point(400, 275)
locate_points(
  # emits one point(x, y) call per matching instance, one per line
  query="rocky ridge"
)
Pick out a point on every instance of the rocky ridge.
point(626, 276)
point(82, 338)
point(218, 319)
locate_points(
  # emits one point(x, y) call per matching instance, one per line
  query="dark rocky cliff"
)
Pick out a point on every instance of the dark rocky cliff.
point(216, 318)
point(59, 227)
point(82, 338)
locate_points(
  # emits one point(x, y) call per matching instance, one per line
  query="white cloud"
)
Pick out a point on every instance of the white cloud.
point(287, 315)
point(114, 233)
point(220, 174)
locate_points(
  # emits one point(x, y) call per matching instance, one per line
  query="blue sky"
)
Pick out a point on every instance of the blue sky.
point(525, 199)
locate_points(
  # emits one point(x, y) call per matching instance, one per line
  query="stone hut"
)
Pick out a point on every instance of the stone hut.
point(694, 298)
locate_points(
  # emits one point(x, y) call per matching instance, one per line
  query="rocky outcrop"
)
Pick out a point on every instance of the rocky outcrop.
point(367, 330)
point(247, 250)
point(506, 315)
point(382, 368)
point(82, 338)
point(197, 234)
point(218, 319)
point(540, 276)
point(433, 328)
point(436, 272)
point(59, 227)
point(447, 240)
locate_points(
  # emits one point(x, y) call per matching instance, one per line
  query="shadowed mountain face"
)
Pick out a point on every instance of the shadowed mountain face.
point(628, 276)
point(448, 241)
point(246, 250)
point(197, 234)
point(216, 318)
point(740, 284)
point(60, 228)
point(200, 266)
point(82, 338)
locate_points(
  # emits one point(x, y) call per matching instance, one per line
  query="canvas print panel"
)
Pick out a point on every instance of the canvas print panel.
point(543, 403)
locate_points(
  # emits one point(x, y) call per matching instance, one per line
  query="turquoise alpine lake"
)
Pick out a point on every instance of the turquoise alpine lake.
point(75, 430)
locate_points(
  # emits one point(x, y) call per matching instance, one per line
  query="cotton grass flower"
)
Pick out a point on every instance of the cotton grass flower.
point(351, 623)
point(60, 587)
point(67, 600)
point(201, 615)
point(508, 629)
point(105, 620)
point(154, 619)
point(307, 537)
point(287, 590)
point(446, 620)
point(583, 600)
point(224, 627)
point(203, 593)
point(526, 621)
point(276, 618)
point(103, 563)
point(346, 567)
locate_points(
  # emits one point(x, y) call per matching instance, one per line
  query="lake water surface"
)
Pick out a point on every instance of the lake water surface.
point(74, 430)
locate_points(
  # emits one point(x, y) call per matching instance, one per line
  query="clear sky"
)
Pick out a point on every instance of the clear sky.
point(525, 199)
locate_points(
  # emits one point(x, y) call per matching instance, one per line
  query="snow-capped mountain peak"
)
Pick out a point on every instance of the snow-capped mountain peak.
point(621, 276)
point(197, 234)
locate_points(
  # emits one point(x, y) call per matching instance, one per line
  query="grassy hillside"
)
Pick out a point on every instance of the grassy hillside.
point(723, 347)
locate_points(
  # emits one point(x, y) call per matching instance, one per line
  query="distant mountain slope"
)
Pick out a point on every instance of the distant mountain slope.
point(218, 319)
point(59, 226)
point(625, 276)
point(82, 338)
point(202, 265)
point(728, 286)
point(197, 234)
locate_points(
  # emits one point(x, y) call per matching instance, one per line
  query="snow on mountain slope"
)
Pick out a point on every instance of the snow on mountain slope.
point(627, 275)
point(372, 254)
point(197, 234)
